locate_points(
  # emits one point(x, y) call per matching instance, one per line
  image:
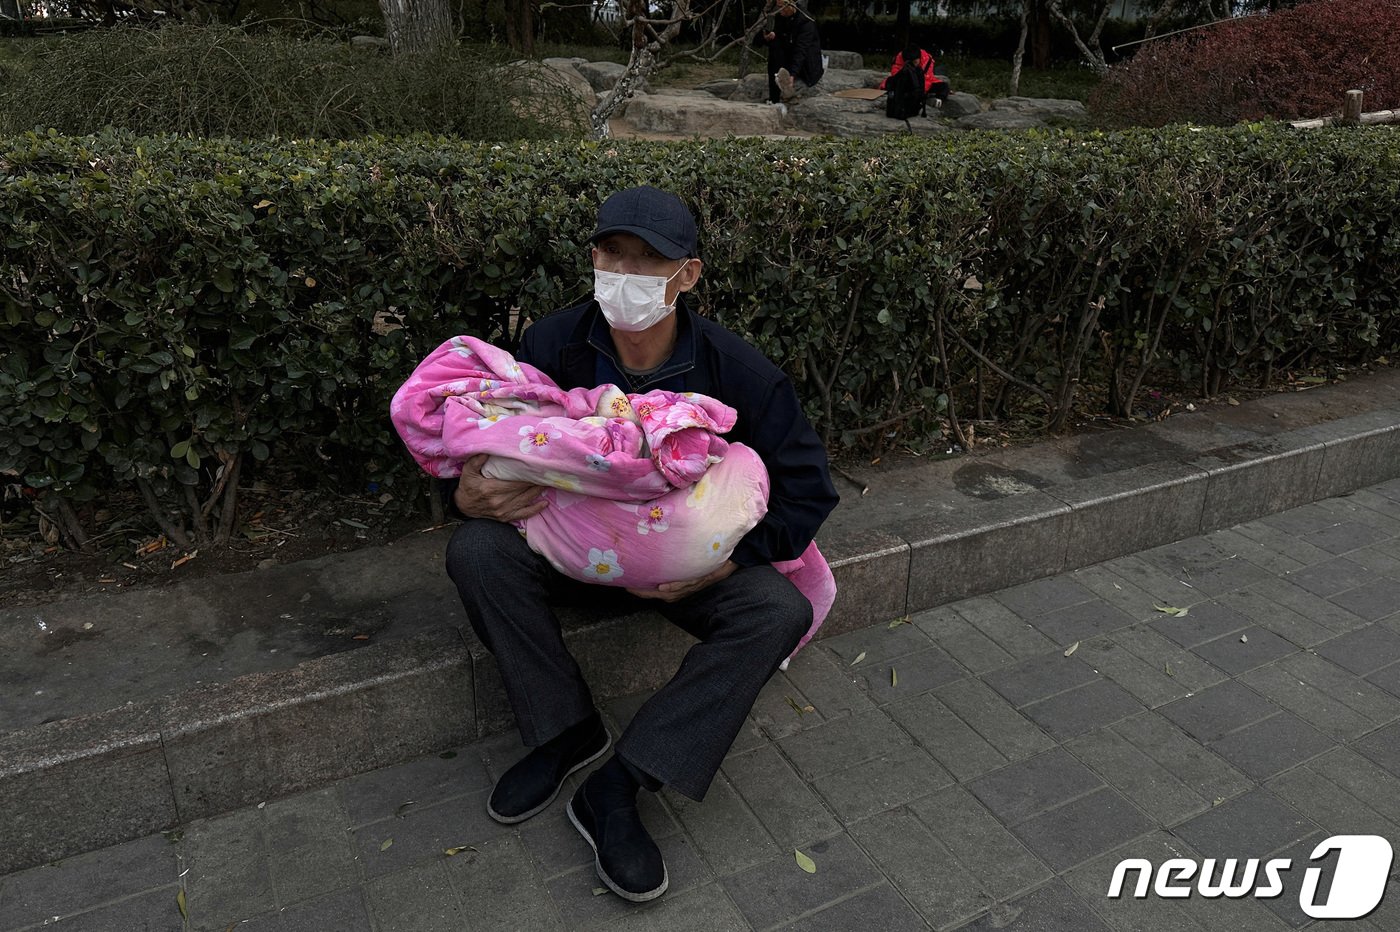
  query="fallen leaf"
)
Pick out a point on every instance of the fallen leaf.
point(403, 808)
point(174, 835)
point(1218, 800)
point(899, 621)
point(262, 203)
point(360, 637)
point(386, 844)
point(894, 677)
point(859, 658)
point(310, 282)
point(804, 862)
point(180, 902)
point(1072, 648)
point(1171, 610)
point(1169, 670)
point(809, 708)
point(599, 891)
point(795, 707)
point(453, 852)
point(1234, 402)
point(351, 522)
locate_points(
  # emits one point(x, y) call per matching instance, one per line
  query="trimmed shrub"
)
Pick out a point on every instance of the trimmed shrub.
point(222, 81)
point(172, 309)
point(1282, 65)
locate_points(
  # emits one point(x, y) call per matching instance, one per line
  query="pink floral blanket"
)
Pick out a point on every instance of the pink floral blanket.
point(642, 489)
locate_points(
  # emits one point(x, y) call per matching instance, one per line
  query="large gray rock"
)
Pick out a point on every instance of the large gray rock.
point(961, 104)
point(1000, 119)
point(603, 74)
point(838, 79)
point(848, 61)
point(701, 115)
point(723, 88)
point(370, 43)
point(575, 83)
point(1044, 108)
point(751, 87)
point(840, 116)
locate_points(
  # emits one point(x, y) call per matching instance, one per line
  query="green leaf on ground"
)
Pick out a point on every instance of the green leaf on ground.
point(899, 621)
point(859, 658)
point(403, 808)
point(1171, 610)
point(599, 891)
point(1072, 648)
point(386, 844)
point(806, 863)
point(894, 677)
point(180, 902)
point(453, 852)
point(351, 522)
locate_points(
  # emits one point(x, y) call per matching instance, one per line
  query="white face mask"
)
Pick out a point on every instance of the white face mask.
point(632, 302)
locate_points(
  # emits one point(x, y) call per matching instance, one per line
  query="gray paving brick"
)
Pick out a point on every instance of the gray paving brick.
point(881, 783)
point(553, 843)
point(499, 884)
point(1082, 829)
point(1043, 596)
point(1364, 778)
point(309, 848)
point(1161, 586)
point(951, 741)
point(1145, 782)
point(1283, 621)
point(1320, 611)
point(878, 642)
point(1382, 559)
point(727, 835)
point(1251, 826)
point(1052, 908)
point(1345, 537)
point(1209, 775)
point(1300, 521)
point(88, 880)
point(1154, 669)
point(925, 870)
point(1289, 545)
point(1286, 905)
point(1372, 500)
point(1225, 576)
point(1244, 650)
point(1319, 799)
point(1092, 880)
point(343, 910)
point(881, 908)
point(1009, 630)
point(1204, 621)
point(1277, 743)
point(1218, 710)
point(779, 889)
point(705, 909)
point(1115, 590)
point(573, 893)
point(1040, 678)
point(919, 672)
point(378, 794)
point(828, 683)
point(1324, 695)
point(1082, 621)
point(416, 899)
point(1235, 544)
point(1186, 558)
point(1383, 747)
point(785, 805)
point(1371, 601)
point(1387, 678)
point(963, 642)
point(1082, 709)
point(994, 718)
point(1333, 576)
point(774, 709)
point(979, 842)
point(424, 833)
point(1366, 509)
point(1020, 791)
point(228, 877)
point(1246, 914)
point(152, 911)
point(843, 743)
point(749, 737)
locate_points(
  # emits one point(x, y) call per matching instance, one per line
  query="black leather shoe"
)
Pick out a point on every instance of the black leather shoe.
point(532, 783)
point(626, 858)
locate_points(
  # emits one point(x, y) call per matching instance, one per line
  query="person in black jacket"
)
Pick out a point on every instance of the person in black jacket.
point(638, 333)
point(794, 53)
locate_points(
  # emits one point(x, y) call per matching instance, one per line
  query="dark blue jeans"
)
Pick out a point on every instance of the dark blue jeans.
point(746, 625)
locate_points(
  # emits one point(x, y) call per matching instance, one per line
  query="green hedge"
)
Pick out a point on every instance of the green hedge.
point(172, 309)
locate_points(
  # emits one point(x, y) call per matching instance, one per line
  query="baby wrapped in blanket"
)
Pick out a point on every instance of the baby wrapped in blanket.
point(642, 489)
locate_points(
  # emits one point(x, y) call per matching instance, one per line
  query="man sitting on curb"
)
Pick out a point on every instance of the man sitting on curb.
point(638, 333)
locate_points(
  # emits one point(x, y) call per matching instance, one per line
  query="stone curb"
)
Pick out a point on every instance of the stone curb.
point(95, 780)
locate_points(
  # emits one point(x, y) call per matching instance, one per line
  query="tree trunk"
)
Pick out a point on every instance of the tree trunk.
point(1020, 49)
point(417, 25)
point(1042, 49)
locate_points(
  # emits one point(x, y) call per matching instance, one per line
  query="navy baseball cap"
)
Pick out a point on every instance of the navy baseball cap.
point(658, 217)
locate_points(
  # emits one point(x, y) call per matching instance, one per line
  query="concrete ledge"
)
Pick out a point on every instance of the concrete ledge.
point(929, 536)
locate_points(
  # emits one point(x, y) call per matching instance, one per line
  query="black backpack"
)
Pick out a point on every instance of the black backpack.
point(905, 95)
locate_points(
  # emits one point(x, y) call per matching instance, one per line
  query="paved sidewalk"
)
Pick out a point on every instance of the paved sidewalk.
point(963, 770)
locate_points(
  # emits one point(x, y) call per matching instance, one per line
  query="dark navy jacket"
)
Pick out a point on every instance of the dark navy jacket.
point(575, 348)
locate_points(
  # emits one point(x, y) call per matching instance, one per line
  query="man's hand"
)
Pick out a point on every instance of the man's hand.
point(500, 499)
point(675, 591)
point(770, 36)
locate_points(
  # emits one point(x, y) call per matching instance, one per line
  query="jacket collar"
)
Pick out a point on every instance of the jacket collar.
point(593, 335)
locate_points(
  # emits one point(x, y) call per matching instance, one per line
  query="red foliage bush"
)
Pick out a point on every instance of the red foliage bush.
point(1282, 65)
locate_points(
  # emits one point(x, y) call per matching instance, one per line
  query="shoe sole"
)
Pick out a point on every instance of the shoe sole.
point(603, 875)
point(512, 820)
